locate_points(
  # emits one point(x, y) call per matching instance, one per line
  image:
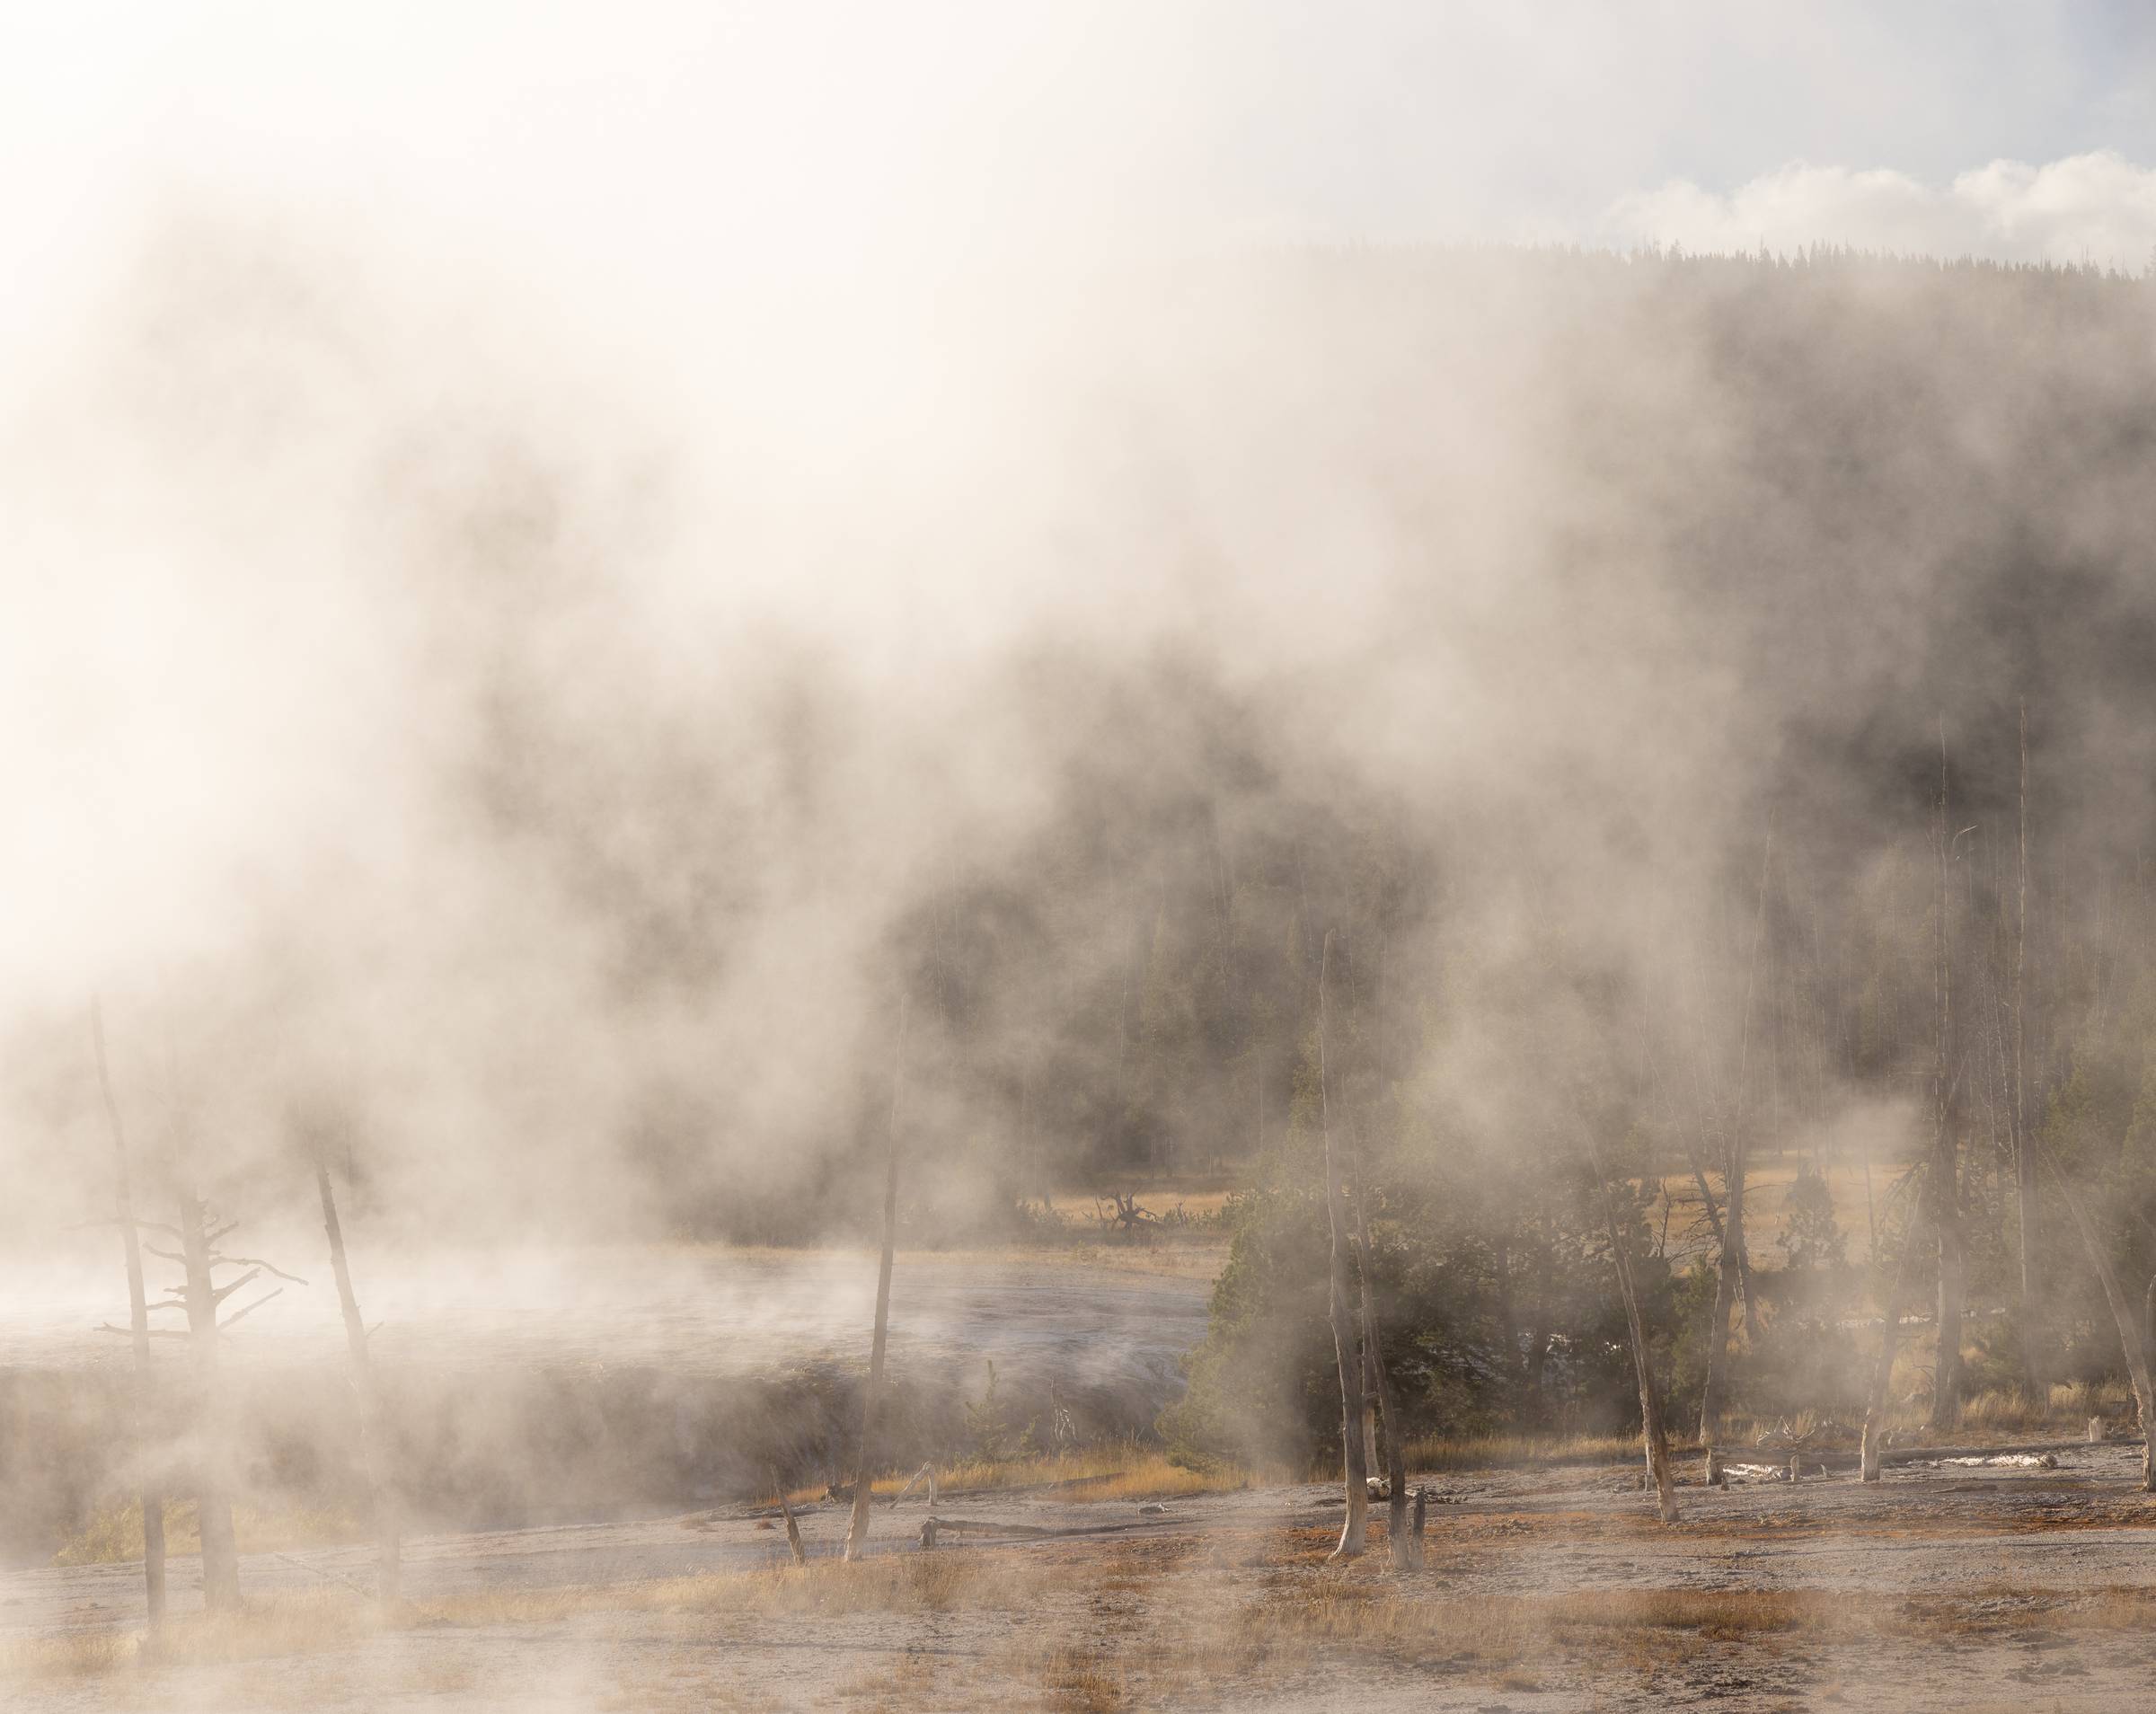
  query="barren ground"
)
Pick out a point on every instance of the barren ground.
point(1549, 1589)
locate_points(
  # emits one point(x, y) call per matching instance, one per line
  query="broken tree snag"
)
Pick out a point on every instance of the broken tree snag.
point(1946, 1172)
point(138, 1321)
point(1355, 1525)
point(1734, 1274)
point(1360, 1238)
point(2025, 1158)
point(794, 1529)
point(203, 1299)
point(1882, 1376)
point(1406, 1550)
point(2129, 1329)
point(857, 1529)
point(213, 1502)
point(1652, 1431)
point(373, 1434)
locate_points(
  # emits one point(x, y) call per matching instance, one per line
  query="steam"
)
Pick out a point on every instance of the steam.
point(426, 711)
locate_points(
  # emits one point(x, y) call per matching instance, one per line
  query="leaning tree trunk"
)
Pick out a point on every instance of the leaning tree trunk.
point(374, 1434)
point(1877, 1402)
point(2129, 1331)
point(138, 1310)
point(871, 1406)
point(1355, 1527)
point(213, 1502)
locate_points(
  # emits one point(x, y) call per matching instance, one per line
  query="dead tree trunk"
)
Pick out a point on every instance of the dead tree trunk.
point(1405, 1545)
point(1734, 1274)
point(1877, 1402)
point(1653, 1433)
point(2129, 1329)
point(213, 1502)
point(138, 1326)
point(1355, 1527)
point(1406, 1548)
point(871, 1406)
point(2025, 1153)
point(374, 1434)
point(202, 1298)
point(1373, 1362)
point(794, 1529)
point(1946, 1193)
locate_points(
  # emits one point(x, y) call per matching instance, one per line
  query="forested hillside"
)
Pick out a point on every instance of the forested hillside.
point(1705, 701)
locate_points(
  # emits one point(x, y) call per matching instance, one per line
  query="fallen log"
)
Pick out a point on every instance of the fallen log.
point(1841, 1459)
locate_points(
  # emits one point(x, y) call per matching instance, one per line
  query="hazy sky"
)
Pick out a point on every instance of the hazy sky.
point(715, 137)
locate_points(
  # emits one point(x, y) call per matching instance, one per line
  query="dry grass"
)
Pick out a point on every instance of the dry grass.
point(896, 1583)
point(113, 1535)
point(1118, 1471)
point(79, 1654)
point(2066, 1408)
point(264, 1629)
point(1088, 1627)
point(1767, 1181)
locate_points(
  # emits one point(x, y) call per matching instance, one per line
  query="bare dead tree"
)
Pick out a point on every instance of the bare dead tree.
point(1878, 1402)
point(1654, 1432)
point(374, 1431)
point(1734, 1272)
point(2025, 1157)
point(1946, 1176)
point(213, 1503)
point(2129, 1329)
point(1355, 1527)
point(794, 1529)
point(1122, 1215)
point(1404, 1544)
point(871, 1405)
point(202, 1299)
point(1372, 1360)
point(138, 1328)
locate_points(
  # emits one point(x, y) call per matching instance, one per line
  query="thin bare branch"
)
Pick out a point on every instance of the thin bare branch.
point(239, 1316)
point(254, 1261)
point(219, 1293)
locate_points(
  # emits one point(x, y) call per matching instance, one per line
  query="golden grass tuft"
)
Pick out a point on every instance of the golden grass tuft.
point(1118, 1471)
point(79, 1654)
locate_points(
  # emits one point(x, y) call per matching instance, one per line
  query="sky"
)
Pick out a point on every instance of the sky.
point(811, 139)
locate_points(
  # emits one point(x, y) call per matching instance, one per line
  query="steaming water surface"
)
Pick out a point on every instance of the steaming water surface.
point(692, 1311)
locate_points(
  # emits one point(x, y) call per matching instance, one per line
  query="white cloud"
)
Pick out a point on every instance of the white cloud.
point(2097, 207)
